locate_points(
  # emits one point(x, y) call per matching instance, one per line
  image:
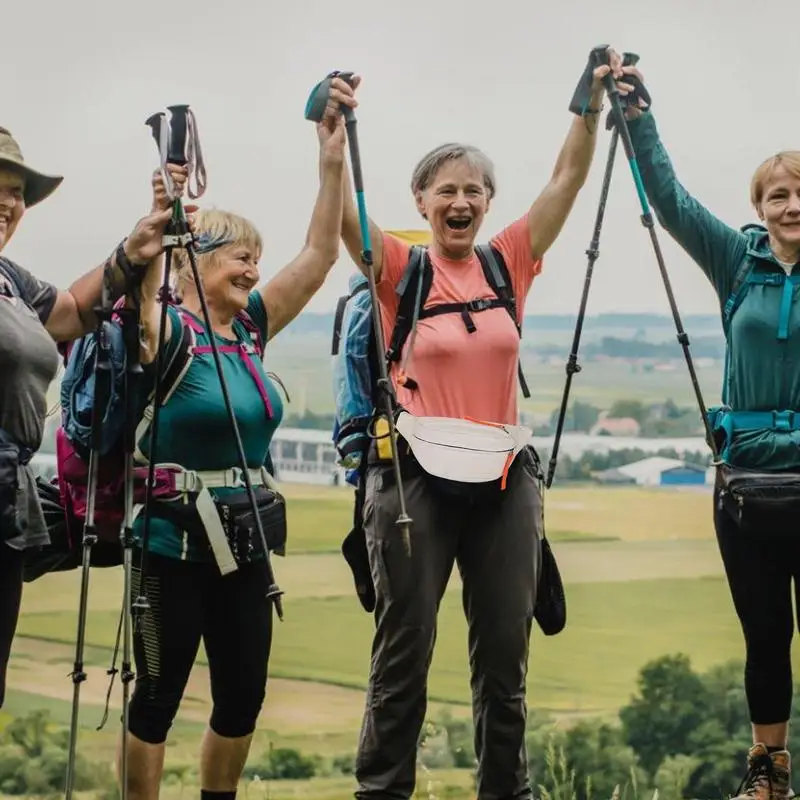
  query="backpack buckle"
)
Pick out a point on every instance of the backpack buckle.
point(783, 421)
point(479, 304)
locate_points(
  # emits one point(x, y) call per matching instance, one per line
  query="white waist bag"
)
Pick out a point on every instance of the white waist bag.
point(463, 450)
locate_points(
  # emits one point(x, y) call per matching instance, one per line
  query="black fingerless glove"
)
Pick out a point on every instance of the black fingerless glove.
point(582, 96)
point(639, 91)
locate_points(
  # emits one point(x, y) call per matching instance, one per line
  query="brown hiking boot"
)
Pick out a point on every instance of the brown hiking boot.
point(768, 775)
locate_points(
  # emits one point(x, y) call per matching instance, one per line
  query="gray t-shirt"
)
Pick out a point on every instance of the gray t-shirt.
point(28, 364)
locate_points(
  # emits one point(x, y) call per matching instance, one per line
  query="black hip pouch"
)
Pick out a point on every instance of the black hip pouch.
point(747, 494)
point(10, 462)
point(240, 526)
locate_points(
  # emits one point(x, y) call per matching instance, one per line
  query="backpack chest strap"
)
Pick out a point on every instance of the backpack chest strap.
point(788, 283)
point(466, 309)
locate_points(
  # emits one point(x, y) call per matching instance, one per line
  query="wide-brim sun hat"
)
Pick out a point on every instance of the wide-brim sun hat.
point(38, 185)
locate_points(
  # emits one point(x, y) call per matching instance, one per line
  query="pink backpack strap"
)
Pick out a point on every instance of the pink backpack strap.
point(245, 352)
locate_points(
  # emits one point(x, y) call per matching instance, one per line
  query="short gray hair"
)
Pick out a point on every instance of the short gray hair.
point(431, 163)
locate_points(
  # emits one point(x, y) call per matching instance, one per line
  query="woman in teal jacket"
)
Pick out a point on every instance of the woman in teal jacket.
point(754, 271)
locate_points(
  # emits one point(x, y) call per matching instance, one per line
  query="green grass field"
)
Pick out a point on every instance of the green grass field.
point(642, 574)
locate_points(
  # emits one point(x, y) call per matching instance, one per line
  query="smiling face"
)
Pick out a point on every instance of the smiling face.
point(12, 204)
point(453, 186)
point(228, 251)
point(776, 197)
point(230, 276)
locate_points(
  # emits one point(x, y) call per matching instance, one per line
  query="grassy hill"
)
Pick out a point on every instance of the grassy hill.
point(641, 570)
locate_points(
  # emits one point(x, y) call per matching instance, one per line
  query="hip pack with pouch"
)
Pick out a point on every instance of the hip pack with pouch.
point(749, 495)
point(463, 458)
point(12, 457)
point(753, 494)
point(236, 515)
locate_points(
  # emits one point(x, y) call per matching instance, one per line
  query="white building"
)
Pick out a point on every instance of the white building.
point(305, 455)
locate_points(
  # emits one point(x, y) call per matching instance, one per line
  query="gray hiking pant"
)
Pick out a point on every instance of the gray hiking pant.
point(498, 554)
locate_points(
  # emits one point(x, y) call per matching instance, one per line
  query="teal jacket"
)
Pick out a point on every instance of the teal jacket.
point(760, 317)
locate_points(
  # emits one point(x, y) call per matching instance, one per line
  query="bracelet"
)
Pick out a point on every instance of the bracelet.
point(131, 276)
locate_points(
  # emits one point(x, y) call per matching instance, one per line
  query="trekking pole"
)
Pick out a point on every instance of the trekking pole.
point(384, 384)
point(102, 391)
point(131, 321)
point(621, 124)
point(593, 252)
point(141, 604)
point(177, 233)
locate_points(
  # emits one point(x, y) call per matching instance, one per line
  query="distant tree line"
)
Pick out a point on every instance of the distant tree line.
point(657, 420)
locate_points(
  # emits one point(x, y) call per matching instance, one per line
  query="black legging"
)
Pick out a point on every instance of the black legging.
point(760, 562)
point(231, 614)
point(10, 596)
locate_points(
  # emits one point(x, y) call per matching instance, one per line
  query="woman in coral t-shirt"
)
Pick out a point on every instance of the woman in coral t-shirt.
point(465, 371)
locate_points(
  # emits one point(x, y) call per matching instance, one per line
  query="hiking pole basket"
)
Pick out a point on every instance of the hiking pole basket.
point(102, 392)
point(620, 124)
point(385, 389)
point(177, 234)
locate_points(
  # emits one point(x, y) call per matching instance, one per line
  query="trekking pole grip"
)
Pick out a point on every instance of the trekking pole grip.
point(176, 152)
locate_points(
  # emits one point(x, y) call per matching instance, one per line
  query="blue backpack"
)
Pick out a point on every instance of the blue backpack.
point(354, 350)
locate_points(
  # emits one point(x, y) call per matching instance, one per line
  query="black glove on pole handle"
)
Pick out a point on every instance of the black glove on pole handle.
point(621, 125)
point(403, 520)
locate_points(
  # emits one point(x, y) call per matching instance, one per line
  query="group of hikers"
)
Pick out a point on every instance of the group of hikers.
point(464, 501)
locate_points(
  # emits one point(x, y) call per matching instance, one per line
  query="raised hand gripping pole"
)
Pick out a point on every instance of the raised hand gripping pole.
point(621, 125)
point(384, 382)
point(102, 391)
point(177, 234)
point(593, 252)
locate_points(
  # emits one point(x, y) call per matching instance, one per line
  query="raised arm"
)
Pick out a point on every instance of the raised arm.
point(287, 294)
point(713, 245)
point(551, 208)
point(73, 312)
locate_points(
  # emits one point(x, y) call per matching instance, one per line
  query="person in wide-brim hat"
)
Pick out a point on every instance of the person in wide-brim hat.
point(38, 185)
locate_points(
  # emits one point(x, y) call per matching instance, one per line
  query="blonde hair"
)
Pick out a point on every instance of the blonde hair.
point(788, 159)
point(214, 229)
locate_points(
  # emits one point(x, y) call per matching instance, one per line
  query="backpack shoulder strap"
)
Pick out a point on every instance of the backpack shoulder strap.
point(497, 276)
point(412, 295)
point(251, 328)
point(338, 318)
point(738, 291)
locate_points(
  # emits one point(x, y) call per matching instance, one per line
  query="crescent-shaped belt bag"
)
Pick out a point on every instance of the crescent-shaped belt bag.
point(463, 457)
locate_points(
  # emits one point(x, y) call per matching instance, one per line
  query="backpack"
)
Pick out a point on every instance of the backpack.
point(354, 348)
point(73, 437)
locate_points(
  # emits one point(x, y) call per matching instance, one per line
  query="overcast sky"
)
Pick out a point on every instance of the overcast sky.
point(82, 76)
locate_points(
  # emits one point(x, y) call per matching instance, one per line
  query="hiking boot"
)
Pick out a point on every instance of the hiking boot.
point(768, 775)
